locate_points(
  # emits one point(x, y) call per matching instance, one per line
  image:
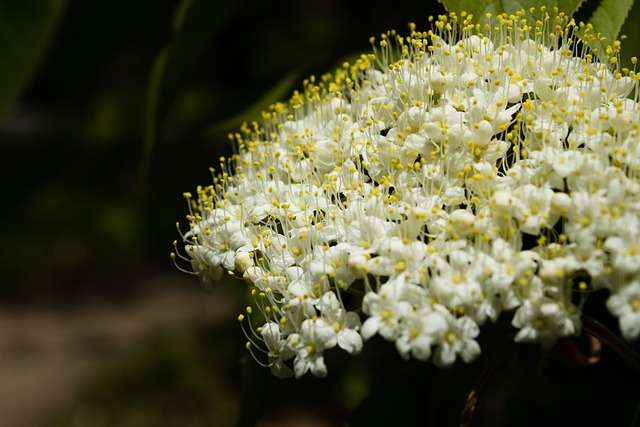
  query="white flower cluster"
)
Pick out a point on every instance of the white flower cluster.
point(444, 180)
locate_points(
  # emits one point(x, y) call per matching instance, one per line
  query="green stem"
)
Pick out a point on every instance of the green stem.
point(352, 291)
point(601, 332)
point(472, 399)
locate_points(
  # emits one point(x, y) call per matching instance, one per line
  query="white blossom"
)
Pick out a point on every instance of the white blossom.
point(448, 178)
point(309, 344)
point(454, 336)
point(345, 324)
point(626, 306)
point(277, 350)
point(545, 321)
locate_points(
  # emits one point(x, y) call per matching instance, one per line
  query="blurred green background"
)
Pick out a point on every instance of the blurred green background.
point(112, 109)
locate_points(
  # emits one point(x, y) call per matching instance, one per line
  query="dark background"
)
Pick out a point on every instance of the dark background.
point(89, 220)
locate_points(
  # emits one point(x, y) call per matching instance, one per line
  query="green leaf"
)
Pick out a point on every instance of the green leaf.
point(609, 17)
point(281, 91)
point(479, 8)
point(26, 30)
point(631, 46)
point(195, 24)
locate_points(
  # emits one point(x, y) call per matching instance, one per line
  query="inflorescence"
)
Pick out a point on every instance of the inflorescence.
point(446, 179)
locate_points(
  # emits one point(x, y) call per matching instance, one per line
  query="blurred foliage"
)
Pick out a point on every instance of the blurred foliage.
point(195, 24)
point(26, 28)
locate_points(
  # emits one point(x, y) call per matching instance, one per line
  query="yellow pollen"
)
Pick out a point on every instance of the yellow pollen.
point(386, 314)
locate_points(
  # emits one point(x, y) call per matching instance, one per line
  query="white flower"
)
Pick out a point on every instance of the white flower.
point(454, 336)
point(545, 321)
point(456, 282)
point(309, 344)
point(385, 310)
point(417, 335)
point(446, 179)
point(345, 323)
point(625, 305)
point(626, 252)
point(209, 265)
point(461, 221)
point(332, 262)
point(533, 208)
point(277, 350)
point(395, 256)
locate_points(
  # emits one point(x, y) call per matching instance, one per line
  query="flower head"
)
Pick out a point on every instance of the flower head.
point(448, 178)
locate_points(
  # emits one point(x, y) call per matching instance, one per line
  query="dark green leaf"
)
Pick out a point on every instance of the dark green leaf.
point(195, 24)
point(280, 92)
point(608, 18)
point(631, 46)
point(26, 29)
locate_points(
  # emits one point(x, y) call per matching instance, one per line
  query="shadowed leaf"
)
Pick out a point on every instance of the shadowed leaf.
point(279, 92)
point(26, 30)
point(196, 23)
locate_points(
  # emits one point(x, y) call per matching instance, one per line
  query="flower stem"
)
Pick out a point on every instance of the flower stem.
point(598, 330)
point(472, 399)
